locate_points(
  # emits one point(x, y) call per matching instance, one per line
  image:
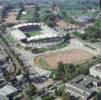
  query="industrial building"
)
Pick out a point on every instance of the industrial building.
point(83, 87)
point(84, 19)
point(8, 91)
point(95, 71)
point(3, 98)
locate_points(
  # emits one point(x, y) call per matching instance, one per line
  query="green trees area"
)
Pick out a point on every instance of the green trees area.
point(36, 15)
point(93, 33)
point(61, 93)
point(67, 72)
point(47, 98)
point(22, 8)
point(97, 96)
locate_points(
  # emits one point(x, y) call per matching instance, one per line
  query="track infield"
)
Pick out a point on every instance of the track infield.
point(50, 61)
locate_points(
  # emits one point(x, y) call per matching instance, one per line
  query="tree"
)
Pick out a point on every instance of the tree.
point(66, 96)
point(58, 92)
point(3, 29)
point(60, 67)
point(22, 8)
point(67, 38)
point(69, 19)
point(97, 96)
point(64, 14)
point(50, 20)
point(60, 71)
point(37, 8)
point(93, 33)
point(28, 97)
point(48, 98)
point(32, 89)
point(61, 92)
point(70, 68)
point(36, 15)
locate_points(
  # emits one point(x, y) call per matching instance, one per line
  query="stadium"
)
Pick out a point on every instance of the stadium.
point(36, 34)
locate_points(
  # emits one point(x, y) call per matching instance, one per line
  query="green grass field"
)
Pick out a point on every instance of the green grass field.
point(33, 33)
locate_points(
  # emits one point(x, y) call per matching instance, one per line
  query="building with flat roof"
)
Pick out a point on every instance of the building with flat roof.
point(96, 71)
point(83, 87)
point(84, 19)
point(3, 98)
point(7, 90)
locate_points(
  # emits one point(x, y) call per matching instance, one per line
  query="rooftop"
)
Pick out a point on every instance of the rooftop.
point(83, 85)
point(7, 90)
point(3, 98)
point(96, 67)
point(84, 19)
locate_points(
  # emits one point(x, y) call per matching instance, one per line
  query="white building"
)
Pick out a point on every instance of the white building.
point(82, 87)
point(7, 90)
point(96, 71)
point(3, 98)
point(84, 19)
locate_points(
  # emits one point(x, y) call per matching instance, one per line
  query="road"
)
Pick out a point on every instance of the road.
point(10, 54)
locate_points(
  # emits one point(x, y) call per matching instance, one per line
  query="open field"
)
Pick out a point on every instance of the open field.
point(33, 33)
point(11, 18)
point(73, 56)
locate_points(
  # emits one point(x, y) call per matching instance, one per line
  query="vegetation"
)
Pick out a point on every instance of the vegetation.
point(38, 50)
point(42, 50)
point(66, 72)
point(79, 7)
point(76, 34)
point(42, 63)
point(36, 15)
point(33, 33)
point(48, 98)
point(49, 17)
point(60, 92)
point(97, 96)
point(20, 11)
point(93, 33)
point(68, 19)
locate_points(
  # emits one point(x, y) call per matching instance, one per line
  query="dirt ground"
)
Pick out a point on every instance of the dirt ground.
point(11, 18)
point(73, 56)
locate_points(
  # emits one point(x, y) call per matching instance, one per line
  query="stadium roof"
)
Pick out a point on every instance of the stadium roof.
point(46, 31)
point(25, 24)
point(43, 36)
point(17, 34)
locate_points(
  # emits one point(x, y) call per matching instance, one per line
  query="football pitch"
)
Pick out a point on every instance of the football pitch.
point(33, 33)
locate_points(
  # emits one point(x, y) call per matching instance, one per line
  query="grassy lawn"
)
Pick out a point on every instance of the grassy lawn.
point(42, 50)
point(29, 16)
point(77, 34)
point(40, 61)
point(33, 33)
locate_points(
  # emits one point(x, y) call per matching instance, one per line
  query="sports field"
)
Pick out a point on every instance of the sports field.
point(33, 33)
point(50, 61)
